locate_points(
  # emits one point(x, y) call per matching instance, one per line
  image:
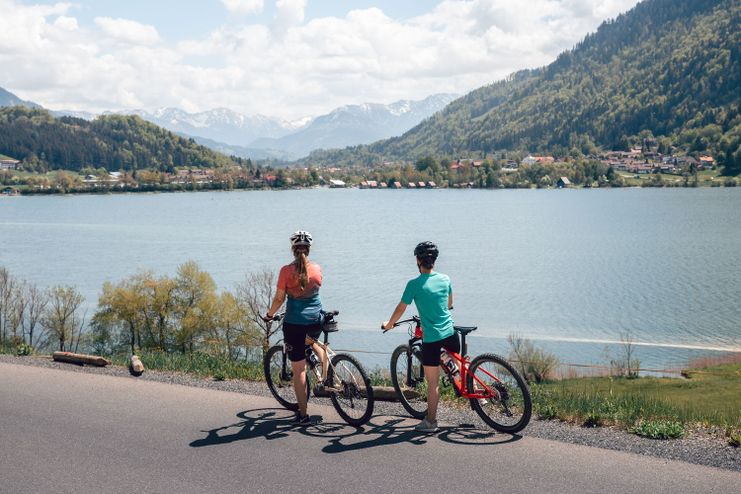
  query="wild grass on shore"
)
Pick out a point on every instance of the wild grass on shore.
point(198, 363)
point(710, 396)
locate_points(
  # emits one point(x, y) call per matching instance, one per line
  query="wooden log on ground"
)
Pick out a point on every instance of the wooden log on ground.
point(380, 393)
point(136, 368)
point(80, 359)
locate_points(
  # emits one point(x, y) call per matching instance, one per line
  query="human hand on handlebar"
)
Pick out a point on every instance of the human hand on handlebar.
point(386, 326)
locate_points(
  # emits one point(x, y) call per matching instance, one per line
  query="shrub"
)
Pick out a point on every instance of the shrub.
point(535, 364)
point(548, 411)
point(660, 429)
point(594, 419)
point(729, 182)
point(23, 350)
point(734, 438)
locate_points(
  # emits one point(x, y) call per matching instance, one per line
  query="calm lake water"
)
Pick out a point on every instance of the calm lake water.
point(572, 269)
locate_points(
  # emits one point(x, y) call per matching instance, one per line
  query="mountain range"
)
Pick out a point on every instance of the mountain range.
point(262, 137)
point(669, 70)
point(9, 99)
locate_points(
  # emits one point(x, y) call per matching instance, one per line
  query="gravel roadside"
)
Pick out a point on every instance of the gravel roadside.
point(700, 447)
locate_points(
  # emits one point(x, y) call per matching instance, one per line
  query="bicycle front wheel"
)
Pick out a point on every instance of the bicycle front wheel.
point(279, 376)
point(506, 405)
point(409, 381)
point(351, 393)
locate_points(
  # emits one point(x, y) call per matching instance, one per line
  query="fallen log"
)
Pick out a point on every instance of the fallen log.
point(80, 359)
point(136, 368)
point(380, 393)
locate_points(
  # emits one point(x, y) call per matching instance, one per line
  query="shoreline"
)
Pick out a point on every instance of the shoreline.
point(84, 192)
point(702, 446)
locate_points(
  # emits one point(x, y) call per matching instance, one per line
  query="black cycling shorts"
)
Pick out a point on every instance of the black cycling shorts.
point(294, 336)
point(431, 351)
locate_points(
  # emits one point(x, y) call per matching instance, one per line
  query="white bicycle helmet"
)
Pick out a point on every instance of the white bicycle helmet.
point(301, 238)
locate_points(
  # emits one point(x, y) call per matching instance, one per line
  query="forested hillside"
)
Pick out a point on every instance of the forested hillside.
point(667, 68)
point(113, 142)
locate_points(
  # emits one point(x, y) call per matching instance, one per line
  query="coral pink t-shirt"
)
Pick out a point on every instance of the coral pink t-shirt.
point(303, 305)
point(289, 281)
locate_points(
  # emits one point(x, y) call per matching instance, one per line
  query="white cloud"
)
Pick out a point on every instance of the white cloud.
point(128, 31)
point(288, 13)
point(291, 67)
point(66, 23)
point(243, 7)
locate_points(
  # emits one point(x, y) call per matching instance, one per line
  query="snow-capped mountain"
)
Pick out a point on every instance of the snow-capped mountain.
point(261, 137)
point(220, 124)
point(357, 124)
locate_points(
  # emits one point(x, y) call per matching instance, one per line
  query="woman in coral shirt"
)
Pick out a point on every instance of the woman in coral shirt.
point(299, 282)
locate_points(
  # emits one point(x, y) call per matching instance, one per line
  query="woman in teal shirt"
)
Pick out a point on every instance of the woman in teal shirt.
point(432, 293)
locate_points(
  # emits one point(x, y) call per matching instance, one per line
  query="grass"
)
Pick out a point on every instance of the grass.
point(661, 429)
point(711, 396)
point(199, 364)
point(705, 178)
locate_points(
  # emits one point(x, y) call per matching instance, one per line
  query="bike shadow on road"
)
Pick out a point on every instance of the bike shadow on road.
point(265, 423)
point(275, 423)
point(388, 430)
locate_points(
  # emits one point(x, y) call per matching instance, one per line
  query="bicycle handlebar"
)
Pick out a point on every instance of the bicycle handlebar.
point(328, 315)
point(399, 323)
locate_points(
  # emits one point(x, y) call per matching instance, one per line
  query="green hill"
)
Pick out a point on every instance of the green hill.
point(670, 69)
point(114, 142)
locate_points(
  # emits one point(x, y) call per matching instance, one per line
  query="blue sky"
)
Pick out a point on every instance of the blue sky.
point(184, 19)
point(282, 58)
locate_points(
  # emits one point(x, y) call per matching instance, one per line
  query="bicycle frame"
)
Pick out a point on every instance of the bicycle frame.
point(460, 384)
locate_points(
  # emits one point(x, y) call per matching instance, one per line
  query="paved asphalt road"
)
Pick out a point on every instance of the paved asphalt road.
point(76, 432)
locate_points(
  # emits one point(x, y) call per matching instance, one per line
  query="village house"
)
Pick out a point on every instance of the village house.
point(11, 191)
point(531, 160)
point(706, 161)
point(397, 185)
point(336, 184)
point(411, 185)
point(9, 164)
point(563, 182)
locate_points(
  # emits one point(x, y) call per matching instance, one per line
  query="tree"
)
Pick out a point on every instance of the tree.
point(36, 301)
point(61, 318)
point(8, 292)
point(233, 332)
point(256, 294)
point(195, 296)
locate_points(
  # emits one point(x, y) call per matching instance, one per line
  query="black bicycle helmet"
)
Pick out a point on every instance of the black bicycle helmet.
point(427, 251)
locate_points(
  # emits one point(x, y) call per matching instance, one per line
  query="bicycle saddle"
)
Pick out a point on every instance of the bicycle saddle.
point(465, 329)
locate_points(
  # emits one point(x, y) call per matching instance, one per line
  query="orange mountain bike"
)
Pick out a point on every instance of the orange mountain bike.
point(495, 390)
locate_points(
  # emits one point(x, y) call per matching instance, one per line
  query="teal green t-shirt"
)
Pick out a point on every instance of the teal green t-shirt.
point(430, 294)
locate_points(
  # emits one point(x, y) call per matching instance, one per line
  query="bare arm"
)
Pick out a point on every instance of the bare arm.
point(398, 311)
point(450, 300)
point(280, 297)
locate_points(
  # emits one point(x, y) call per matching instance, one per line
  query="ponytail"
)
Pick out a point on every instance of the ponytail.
point(302, 264)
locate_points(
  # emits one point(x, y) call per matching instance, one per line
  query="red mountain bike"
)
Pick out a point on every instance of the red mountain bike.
point(496, 391)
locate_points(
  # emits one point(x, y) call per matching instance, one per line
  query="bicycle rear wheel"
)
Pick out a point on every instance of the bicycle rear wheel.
point(351, 393)
point(507, 405)
point(280, 378)
point(412, 392)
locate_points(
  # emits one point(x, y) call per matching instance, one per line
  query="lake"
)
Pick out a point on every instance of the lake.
point(571, 269)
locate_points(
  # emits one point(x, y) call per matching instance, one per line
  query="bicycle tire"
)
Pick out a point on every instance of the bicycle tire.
point(352, 396)
point(516, 405)
point(413, 399)
point(281, 389)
